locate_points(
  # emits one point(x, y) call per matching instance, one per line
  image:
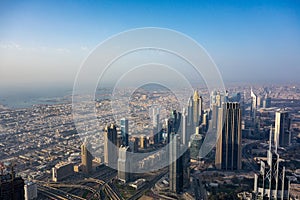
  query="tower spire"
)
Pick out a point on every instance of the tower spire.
point(196, 96)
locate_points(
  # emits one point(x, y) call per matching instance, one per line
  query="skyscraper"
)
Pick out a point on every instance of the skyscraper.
point(124, 131)
point(282, 136)
point(124, 164)
point(228, 149)
point(253, 106)
point(86, 158)
point(157, 129)
point(173, 124)
point(30, 190)
point(214, 116)
point(271, 182)
point(267, 101)
point(110, 146)
point(11, 186)
point(185, 136)
point(195, 143)
point(176, 165)
point(179, 155)
point(197, 108)
point(133, 144)
point(190, 115)
point(216, 101)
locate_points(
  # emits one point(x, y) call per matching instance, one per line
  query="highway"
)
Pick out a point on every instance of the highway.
point(56, 193)
point(248, 157)
point(199, 190)
point(148, 186)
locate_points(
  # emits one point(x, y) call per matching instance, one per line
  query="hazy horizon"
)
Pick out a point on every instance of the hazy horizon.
point(43, 44)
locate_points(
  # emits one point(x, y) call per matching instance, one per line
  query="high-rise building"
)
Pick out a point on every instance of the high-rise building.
point(214, 116)
point(267, 101)
point(176, 165)
point(195, 143)
point(124, 131)
point(185, 136)
point(30, 190)
point(86, 158)
point(253, 108)
point(179, 154)
point(133, 144)
point(216, 101)
point(197, 108)
point(186, 161)
point(62, 170)
point(173, 124)
point(282, 136)
point(124, 164)
point(11, 186)
point(205, 121)
point(271, 183)
point(156, 125)
point(110, 146)
point(190, 112)
point(228, 149)
point(143, 142)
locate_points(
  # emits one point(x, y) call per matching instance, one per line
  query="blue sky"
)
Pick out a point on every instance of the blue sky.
point(45, 42)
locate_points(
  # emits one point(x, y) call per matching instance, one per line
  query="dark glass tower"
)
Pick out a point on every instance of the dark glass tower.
point(124, 131)
point(110, 146)
point(11, 186)
point(176, 165)
point(228, 149)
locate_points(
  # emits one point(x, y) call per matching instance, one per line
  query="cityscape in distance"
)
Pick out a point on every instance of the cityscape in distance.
point(166, 100)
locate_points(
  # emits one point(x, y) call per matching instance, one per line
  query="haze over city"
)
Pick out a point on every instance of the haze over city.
point(43, 44)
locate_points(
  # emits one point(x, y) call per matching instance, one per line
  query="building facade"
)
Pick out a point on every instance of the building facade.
point(124, 164)
point(86, 159)
point(228, 148)
point(282, 136)
point(110, 146)
point(62, 170)
point(124, 131)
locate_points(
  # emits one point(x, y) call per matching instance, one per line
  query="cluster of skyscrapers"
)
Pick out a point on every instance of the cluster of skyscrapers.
point(184, 134)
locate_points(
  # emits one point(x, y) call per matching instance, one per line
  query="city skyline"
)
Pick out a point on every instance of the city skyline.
point(138, 100)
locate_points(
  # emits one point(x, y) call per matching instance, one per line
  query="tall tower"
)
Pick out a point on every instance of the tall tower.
point(271, 182)
point(195, 143)
point(196, 106)
point(110, 146)
point(282, 136)
point(216, 99)
point(267, 101)
point(86, 158)
point(11, 186)
point(253, 106)
point(173, 123)
point(185, 136)
point(124, 164)
point(157, 129)
point(124, 131)
point(190, 116)
point(176, 165)
point(228, 149)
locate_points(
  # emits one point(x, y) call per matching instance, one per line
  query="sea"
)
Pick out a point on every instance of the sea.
point(27, 98)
